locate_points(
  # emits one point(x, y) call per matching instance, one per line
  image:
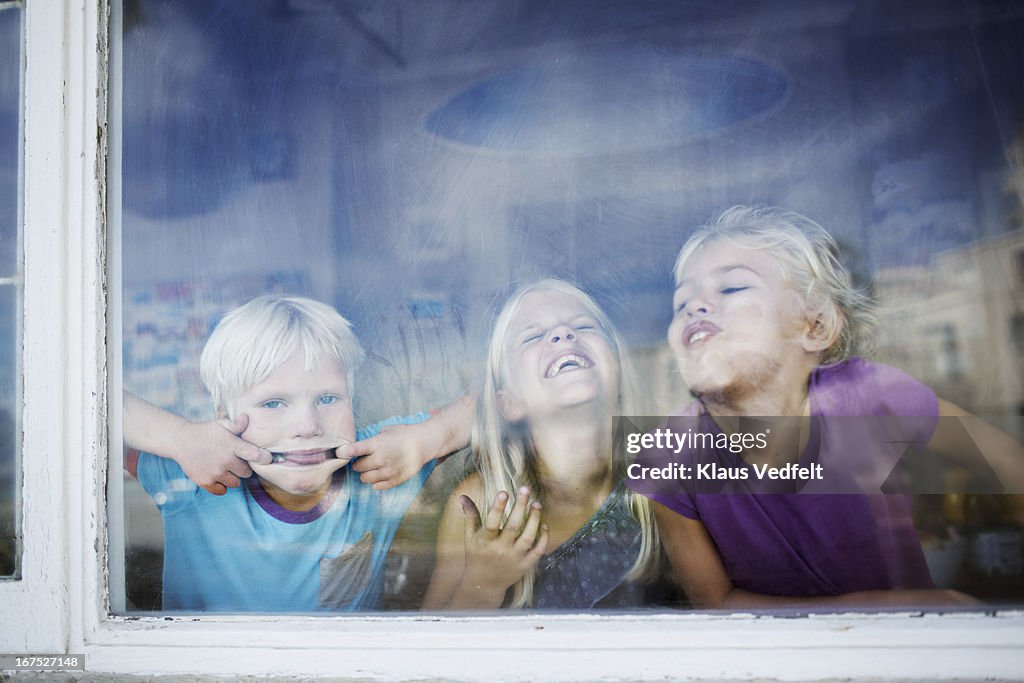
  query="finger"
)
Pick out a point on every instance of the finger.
point(252, 453)
point(514, 523)
point(229, 480)
point(240, 469)
point(216, 488)
point(242, 449)
point(359, 449)
point(236, 426)
point(529, 534)
point(493, 521)
point(385, 485)
point(471, 515)
point(367, 463)
point(375, 476)
point(541, 546)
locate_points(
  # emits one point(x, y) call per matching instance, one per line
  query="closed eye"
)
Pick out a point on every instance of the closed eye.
point(532, 338)
point(733, 290)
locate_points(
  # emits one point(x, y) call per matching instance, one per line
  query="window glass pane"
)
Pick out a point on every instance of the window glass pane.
point(10, 281)
point(10, 100)
point(9, 441)
point(407, 163)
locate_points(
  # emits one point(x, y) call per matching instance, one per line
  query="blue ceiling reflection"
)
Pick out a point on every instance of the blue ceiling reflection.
point(583, 138)
point(613, 101)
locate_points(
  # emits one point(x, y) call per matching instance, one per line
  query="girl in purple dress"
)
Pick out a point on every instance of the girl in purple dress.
point(767, 323)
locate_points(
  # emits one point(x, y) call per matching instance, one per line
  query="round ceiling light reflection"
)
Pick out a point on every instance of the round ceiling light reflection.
point(616, 100)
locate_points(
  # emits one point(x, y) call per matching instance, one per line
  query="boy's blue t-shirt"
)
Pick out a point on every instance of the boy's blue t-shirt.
point(241, 552)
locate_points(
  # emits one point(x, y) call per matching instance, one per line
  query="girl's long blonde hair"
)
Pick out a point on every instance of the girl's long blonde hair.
point(504, 453)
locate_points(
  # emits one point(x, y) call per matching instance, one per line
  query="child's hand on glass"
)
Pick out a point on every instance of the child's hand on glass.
point(214, 456)
point(398, 452)
point(393, 456)
point(499, 555)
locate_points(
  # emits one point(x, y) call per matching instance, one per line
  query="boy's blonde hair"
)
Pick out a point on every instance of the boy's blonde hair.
point(808, 256)
point(253, 340)
point(504, 453)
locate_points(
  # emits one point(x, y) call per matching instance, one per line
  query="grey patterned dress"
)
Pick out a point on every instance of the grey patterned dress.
point(587, 570)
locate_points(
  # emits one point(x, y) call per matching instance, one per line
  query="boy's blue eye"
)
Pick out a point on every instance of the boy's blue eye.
point(273, 404)
point(327, 400)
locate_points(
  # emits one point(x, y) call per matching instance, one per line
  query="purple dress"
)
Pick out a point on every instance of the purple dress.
point(831, 536)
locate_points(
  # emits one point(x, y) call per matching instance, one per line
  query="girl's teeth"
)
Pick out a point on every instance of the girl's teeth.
point(565, 362)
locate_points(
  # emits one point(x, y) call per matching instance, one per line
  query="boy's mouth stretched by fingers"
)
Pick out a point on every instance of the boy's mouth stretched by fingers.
point(306, 457)
point(301, 458)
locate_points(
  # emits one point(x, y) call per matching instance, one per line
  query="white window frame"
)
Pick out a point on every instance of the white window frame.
point(60, 605)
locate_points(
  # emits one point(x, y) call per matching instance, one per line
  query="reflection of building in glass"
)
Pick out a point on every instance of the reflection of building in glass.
point(958, 323)
point(1013, 190)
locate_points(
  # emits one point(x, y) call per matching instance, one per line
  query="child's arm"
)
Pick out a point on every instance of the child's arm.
point(211, 454)
point(698, 567)
point(477, 563)
point(400, 451)
point(971, 441)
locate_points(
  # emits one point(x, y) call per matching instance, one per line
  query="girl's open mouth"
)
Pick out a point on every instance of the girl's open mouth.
point(698, 332)
point(566, 362)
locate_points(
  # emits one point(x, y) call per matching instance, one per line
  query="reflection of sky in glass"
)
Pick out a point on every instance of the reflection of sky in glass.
point(10, 100)
point(10, 63)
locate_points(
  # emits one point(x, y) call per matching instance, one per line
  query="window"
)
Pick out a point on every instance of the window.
point(10, 282)
point(406, 177)
point(624, 189)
